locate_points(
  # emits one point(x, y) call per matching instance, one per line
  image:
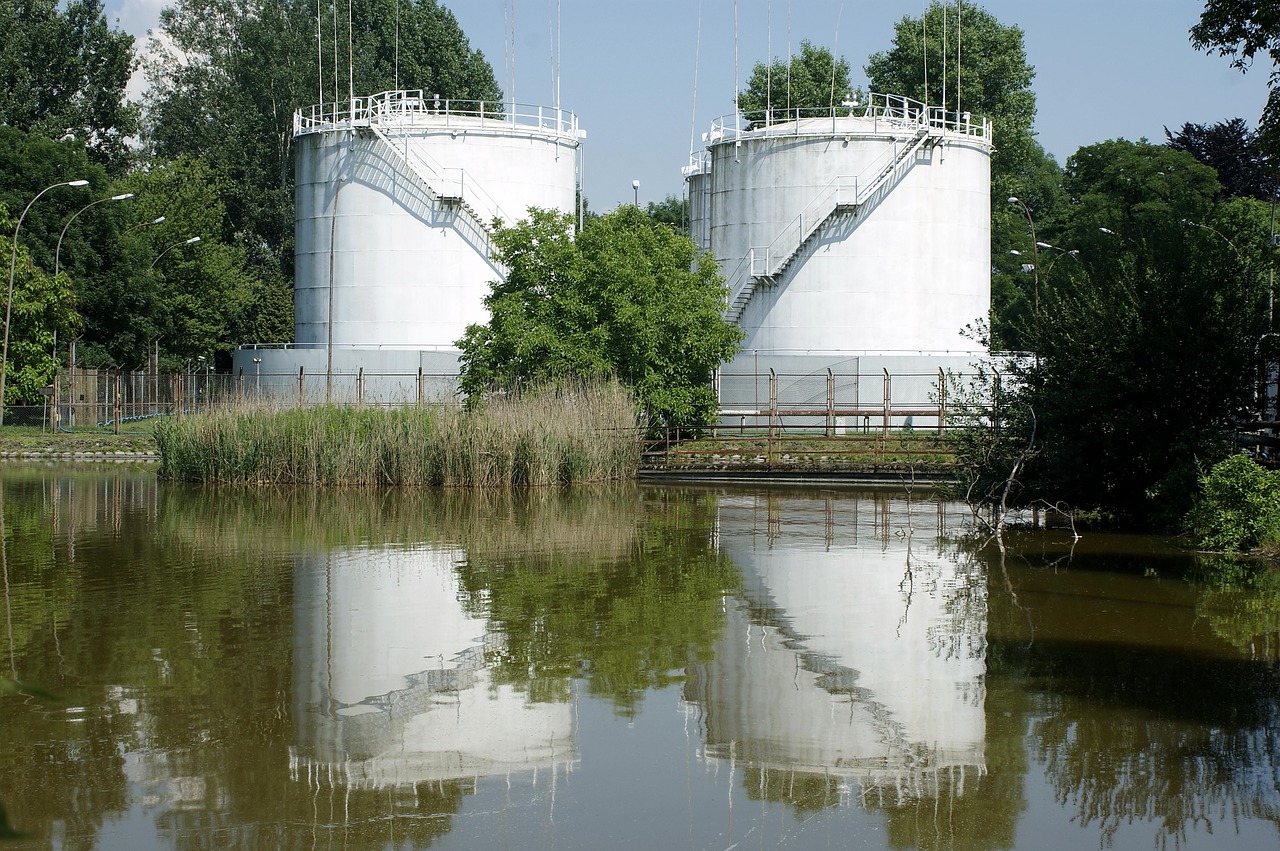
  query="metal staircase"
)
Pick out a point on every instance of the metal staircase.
point(445, 192)
point(833, 202)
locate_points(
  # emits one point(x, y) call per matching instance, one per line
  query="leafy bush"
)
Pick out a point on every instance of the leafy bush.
point(1239, 506)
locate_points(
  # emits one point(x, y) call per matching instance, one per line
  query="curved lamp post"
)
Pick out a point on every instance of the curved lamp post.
point(154, 221)
point(57, 253)
point(13, 268)
point(191, 241)
point(1035, 256)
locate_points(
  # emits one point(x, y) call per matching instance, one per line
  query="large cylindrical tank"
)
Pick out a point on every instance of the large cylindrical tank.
point(396, 194)
point(867, 231)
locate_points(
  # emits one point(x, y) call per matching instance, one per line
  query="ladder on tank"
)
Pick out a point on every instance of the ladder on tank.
point(835, 206)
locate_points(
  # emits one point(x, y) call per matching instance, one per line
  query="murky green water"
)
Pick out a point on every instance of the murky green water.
point(644, 668)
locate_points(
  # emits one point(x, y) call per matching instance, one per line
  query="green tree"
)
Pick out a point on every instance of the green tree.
point(42, 309)
point(64, 71)
point(629, 298)
point(1242, 29)
point(195, 299)
point(1146, 343)
point(257, 63)
point(670, 211)
point(1232, 150)
point(815, 79)
point(994, 81)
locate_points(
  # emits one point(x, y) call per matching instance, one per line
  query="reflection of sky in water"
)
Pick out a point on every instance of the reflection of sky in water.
point(389, 682)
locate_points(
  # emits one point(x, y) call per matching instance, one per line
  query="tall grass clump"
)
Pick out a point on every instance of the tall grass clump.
point(544, 436)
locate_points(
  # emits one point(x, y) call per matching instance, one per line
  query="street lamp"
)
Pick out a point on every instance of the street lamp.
point(635, 187)
point(191, 241)
point(13, 268)
point(257, 376)
point(1035, 257)
point(57, 253)
point(155, 221)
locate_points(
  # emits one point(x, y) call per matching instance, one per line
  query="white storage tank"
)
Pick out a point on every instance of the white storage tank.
point(866, 229)
point(396, 195)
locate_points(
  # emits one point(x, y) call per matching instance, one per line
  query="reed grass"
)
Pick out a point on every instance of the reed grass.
point(546, 436)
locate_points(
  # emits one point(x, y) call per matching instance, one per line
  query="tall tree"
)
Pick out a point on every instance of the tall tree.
point(814, 79)
point(1146, 349)
point(63, 71)
point(227, 75)
point(1242, 29)
point(629, 297)
point(992, 80)
point(1232, 150)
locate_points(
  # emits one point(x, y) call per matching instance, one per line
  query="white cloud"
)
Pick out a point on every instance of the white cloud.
point(135, 16)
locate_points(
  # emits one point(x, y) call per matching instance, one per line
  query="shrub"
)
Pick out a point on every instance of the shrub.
point(1239, 506)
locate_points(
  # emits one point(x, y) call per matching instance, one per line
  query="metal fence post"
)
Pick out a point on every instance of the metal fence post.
point(300, 369)
point(831, 404)
point(995, 402)
point(942, 400)
point(116, 409)
point(773, 402)
point(419, 386)
point(240, 387)
point(360, 389)
point(886, 405)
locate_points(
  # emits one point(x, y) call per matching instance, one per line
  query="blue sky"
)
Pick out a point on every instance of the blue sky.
point(1104, 68)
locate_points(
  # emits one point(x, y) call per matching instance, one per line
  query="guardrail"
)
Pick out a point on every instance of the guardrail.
point(434, 111)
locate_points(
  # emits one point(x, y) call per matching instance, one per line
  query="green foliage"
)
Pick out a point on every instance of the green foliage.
point(1239, 506)
point(629, 298)
point(670, 211)
point(42, 307)
point(813, 80)
point(64, 70)
point(1242, 29)
point(1234, 152)
point(1146, 344)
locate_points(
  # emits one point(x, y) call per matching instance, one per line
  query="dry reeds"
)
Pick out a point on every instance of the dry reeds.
point(552, 435)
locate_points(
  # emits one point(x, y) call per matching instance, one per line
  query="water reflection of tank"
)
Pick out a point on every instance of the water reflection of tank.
point(389, 683)
point(839, 658)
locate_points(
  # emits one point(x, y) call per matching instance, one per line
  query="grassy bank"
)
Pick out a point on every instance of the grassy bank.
point(539, 438)
point(32, 442)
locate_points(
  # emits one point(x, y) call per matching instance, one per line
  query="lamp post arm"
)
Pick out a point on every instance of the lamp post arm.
point(13, 269)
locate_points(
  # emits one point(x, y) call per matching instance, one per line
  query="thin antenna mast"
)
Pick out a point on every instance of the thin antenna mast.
point(320, 59)
point(559, 53)
point(835, 54)
point(788, 56)
point(768, 68)
point(697, 58)
point(397, 70)
point(944, 61)
point(958, 65)
point(335, 60)
point(351, 63)
point(924, 50)
point(736, 88)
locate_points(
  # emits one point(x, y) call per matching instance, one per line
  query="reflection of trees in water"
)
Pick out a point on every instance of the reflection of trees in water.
point(1146, 699)
point(626, 626)
point(183, 597)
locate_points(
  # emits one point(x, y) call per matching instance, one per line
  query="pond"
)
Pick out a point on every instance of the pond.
point(637, 667)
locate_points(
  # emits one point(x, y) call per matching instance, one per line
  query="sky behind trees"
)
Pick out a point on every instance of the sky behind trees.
point(1104, 68)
